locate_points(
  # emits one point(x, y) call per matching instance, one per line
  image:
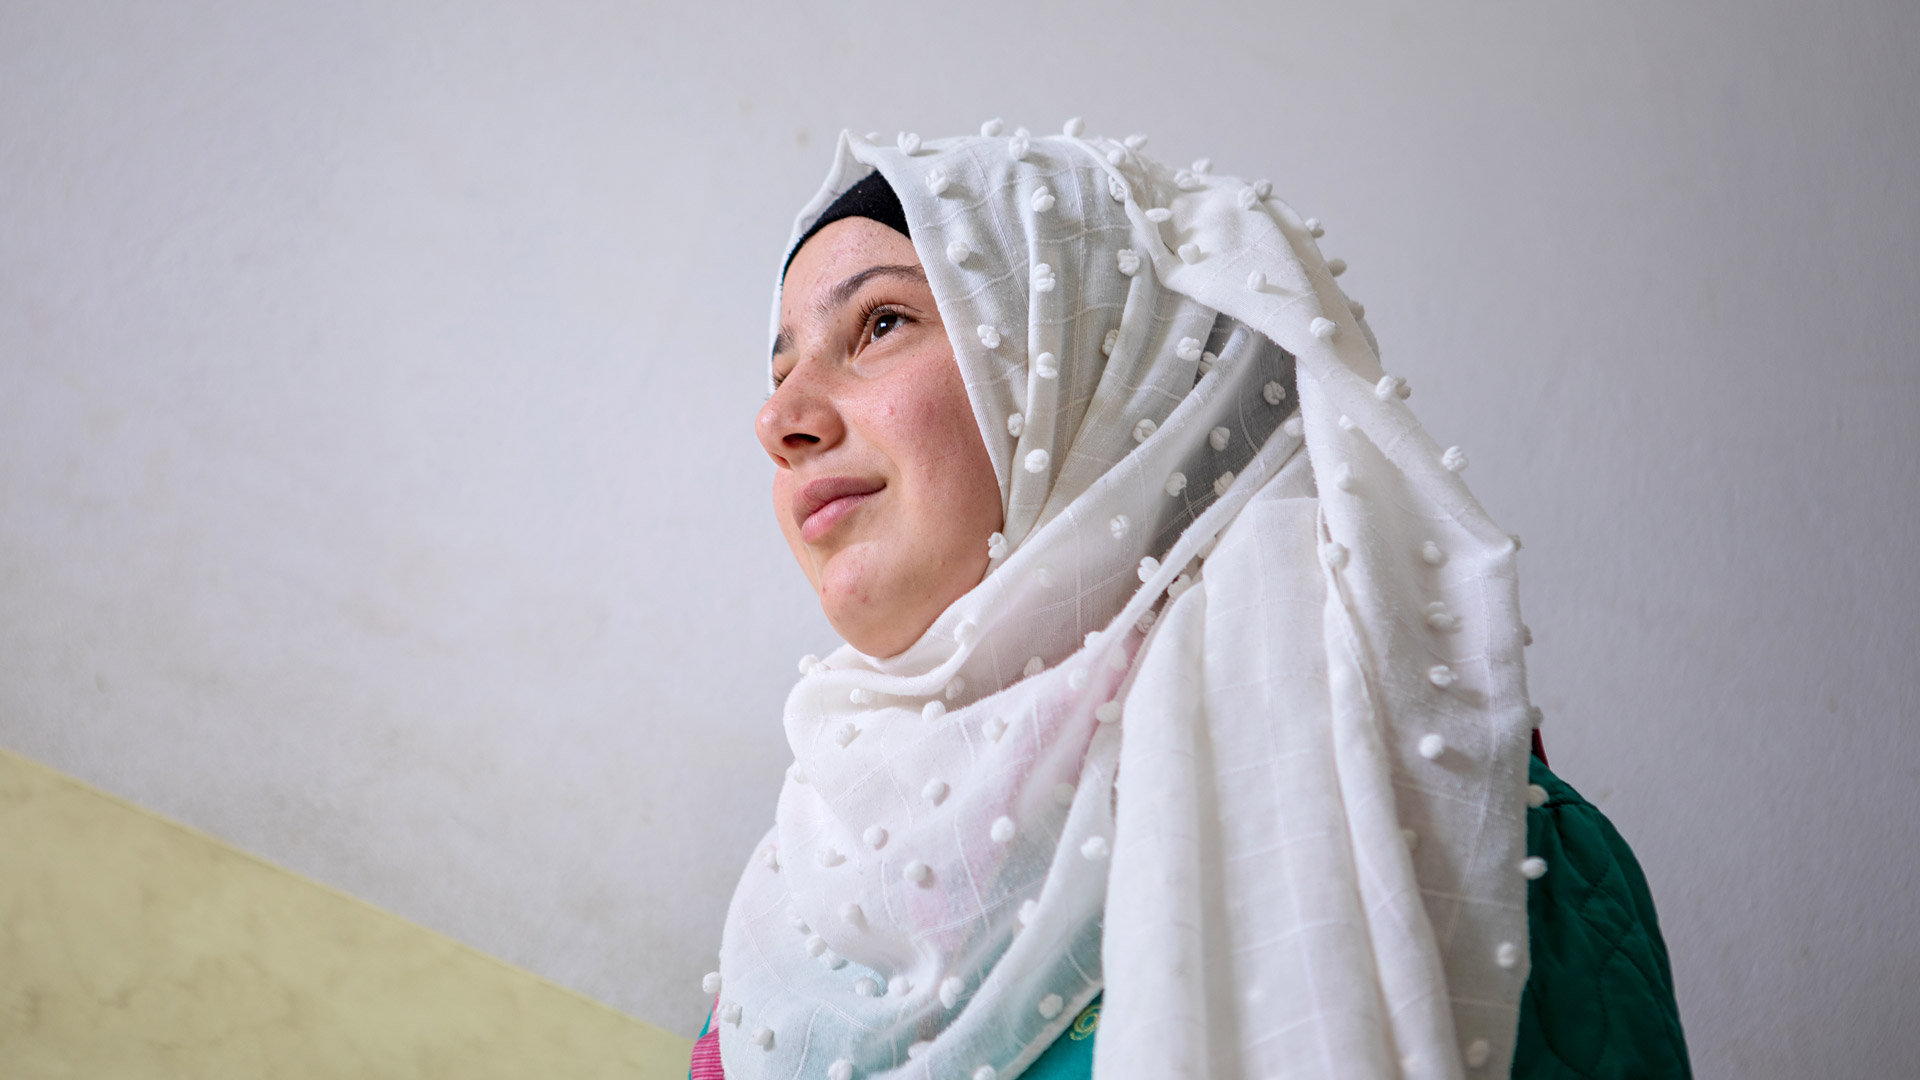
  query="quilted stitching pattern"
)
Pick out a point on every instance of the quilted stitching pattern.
point(1599, 1002)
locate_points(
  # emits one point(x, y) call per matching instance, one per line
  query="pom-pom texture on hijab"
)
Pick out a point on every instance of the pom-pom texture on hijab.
point(1297, 640)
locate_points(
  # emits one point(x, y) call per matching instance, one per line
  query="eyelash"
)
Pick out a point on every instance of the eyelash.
point(869, 311)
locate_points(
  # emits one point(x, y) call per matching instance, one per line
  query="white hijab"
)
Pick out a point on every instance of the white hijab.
point(1295, 636)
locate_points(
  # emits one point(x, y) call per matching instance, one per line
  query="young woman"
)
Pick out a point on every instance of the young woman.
point(1183, 695)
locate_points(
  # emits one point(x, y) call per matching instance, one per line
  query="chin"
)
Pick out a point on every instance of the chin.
point(858, 623)
point(854, 600)
point(878, 642)
point(880, 613)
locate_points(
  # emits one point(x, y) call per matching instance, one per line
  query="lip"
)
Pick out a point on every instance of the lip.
point(823, 504)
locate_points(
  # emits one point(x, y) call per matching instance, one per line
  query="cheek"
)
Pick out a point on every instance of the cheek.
point(937, 447)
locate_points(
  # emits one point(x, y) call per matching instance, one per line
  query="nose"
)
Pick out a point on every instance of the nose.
point(800, 420)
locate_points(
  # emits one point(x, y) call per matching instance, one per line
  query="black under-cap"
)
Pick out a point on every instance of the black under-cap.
point(871, 198)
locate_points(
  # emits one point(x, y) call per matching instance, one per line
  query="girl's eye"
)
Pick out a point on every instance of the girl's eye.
point(885, 322)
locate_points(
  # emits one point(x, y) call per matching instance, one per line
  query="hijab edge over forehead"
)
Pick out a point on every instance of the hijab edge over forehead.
point(845, 172)
point(871, 198)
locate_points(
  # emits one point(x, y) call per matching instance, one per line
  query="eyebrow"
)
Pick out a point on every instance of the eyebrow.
point(845, 290)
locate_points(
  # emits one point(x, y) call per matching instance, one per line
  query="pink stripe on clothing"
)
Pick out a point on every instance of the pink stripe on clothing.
point(706, 1052)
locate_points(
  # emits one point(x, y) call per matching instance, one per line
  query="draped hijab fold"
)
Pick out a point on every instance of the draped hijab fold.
point(1235, 727)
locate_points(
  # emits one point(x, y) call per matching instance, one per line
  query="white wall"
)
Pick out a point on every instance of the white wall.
point(377, 491)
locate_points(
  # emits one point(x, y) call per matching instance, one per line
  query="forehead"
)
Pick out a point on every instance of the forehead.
point(836, 252)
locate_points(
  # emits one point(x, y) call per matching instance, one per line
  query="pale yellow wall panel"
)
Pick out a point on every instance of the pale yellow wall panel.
point(132, 947)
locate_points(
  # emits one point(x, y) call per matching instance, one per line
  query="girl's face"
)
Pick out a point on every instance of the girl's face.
point(883, 489)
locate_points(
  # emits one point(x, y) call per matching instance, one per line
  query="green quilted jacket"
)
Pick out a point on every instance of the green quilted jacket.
point(1599, 1001)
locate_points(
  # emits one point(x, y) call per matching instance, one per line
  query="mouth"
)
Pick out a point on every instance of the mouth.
point(823, 504)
